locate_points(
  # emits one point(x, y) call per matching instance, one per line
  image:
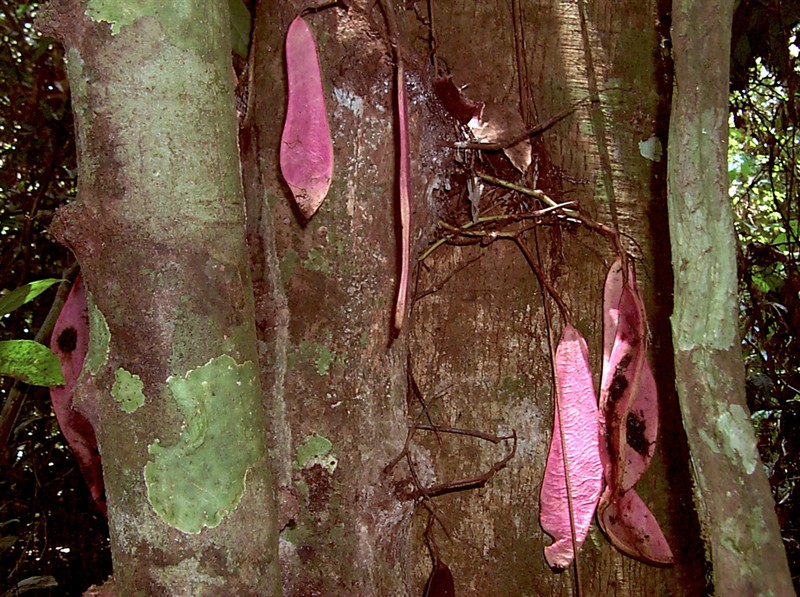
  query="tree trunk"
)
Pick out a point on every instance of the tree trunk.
point(732, 493)
point(171, 381)
point(476, 344)
point(335, 384)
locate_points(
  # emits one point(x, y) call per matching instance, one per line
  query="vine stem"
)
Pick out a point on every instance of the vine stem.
point(551, 346)
point(404, 166)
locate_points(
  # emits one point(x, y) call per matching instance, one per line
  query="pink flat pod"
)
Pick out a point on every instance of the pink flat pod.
point(632, 528)
point(620, 385)
point(628, 422)
point(70, 342)
point(578, 410)
point(306, 153)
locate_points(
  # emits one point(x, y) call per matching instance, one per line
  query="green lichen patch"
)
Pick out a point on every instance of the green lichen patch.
point(201, 478)
point(177, 18)
point(740, 444)
point(512, 386)
point(325, 258)
point(127, 390)
point(322, 357)
point(296, 535)
point(324, 361)
point(187, 573)
point(99, 338)
point(317, 261)
point(316, 449)
point(287, 266)
point(75, 71)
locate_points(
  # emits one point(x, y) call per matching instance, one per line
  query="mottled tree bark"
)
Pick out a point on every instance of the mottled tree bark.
point(732, 495)
point(482, 340)
point(335, 383)
point(171, 380)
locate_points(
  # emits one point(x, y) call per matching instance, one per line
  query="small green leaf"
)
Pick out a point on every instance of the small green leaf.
point(25, 293)
point(7, 541)
point(30, 362)
point(240, 27)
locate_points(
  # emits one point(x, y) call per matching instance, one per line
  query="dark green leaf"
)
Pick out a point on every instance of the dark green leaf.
point(7, 541)
point(240, 27)
point(30, 362)
point(23, 294)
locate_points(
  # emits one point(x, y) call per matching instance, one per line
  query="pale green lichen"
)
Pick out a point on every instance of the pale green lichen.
point(99, 338)
point(324, 361)
point(316, 449)
point(127, 390)
point(317, 261)
point(325, 258)
point(295, 535)
point(287, 266)
point(175, 580)
point(733, 437)
point(75, 72)
point(600, 194)
point(512, 386)
point(197, 481)
point(703, 245)
point(740, 444)
point(734, 539)
point(176, 18)
point(80, 107)
point(322, 357)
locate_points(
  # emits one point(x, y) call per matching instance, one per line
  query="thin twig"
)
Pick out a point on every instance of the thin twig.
point(495, 439)
point(542, 280)
point(438, 286)
point(412, 429)
point(525, 191)
point(412, 382)
point(496, 219)
point(473, 483)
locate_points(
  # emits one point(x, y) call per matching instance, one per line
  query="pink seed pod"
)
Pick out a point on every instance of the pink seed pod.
point(306, 153)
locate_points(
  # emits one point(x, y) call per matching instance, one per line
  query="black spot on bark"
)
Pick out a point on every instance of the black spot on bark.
point(67, 340)
point(305, 553)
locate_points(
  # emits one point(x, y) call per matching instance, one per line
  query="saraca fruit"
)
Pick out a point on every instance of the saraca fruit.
point(70, 342)
point(306, 153)
point(629, 422)
point(575, 431)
